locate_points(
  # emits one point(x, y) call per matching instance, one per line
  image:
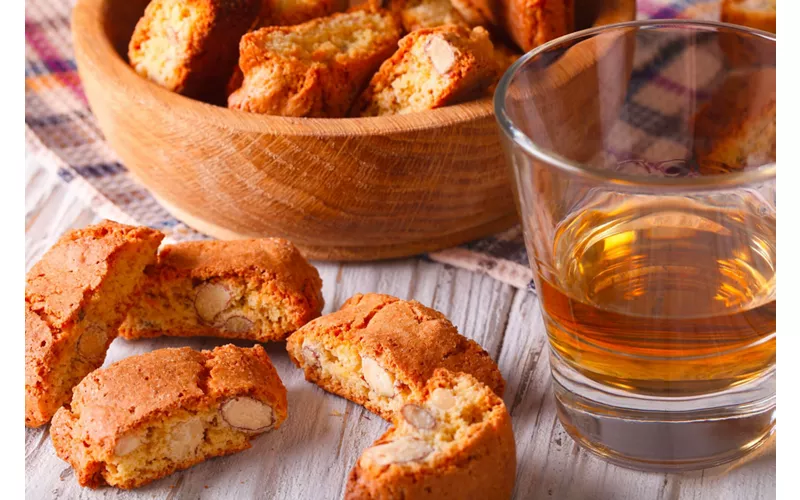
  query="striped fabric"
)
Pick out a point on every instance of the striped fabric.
point(62, 134)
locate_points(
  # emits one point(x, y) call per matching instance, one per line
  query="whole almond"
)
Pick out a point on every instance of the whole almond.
point(185, 438)
point(210, 300)
point(247, 414)
point(127, 444)
point(442, 399)
point(377, 378)
point(441, 54)
point(237, 324)
point(406, 449)
point(418, 417)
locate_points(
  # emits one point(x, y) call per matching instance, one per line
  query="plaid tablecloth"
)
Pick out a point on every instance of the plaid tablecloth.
point(62, 135)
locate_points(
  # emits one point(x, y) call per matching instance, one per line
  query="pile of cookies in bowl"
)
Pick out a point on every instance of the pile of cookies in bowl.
point(323, 58)
point(148, 415)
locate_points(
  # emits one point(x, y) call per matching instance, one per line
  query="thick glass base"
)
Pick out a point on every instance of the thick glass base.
point(664, 434)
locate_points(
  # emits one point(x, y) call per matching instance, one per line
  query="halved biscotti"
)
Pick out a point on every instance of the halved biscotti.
point(147, 416)
point(478, 12)
point(433, 67)
point(259, 290)
point(530, 23)
point(75, 299)
point(379, 351)
point(748, 51)
point(418, 14)
point(314, 69)
point(291, 12)
point(454, 441)
point(759, 14)
point(737, 129)
point(190, 46)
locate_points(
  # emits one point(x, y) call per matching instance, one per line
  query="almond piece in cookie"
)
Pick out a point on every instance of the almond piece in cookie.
point(75, 299)
point(147, 416)
point(433, 67)
point(418, 14)
point(455, 441)
point(259, 290)
point(314, 69)
point(191, 46)
point(379, 351)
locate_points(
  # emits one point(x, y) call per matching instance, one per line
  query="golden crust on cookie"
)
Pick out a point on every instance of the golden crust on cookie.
point(433, 67)
point(758, 14)
point(190, 46)
point(737, 128)
point(76, 297)
point(291, 12)
point(147, 416)
point(418, 14)
point(743, 51)
point(378, 351)
point(260, 290)
point(314, 69)
point(477, 12)
point(454, 441)
point(533, 22)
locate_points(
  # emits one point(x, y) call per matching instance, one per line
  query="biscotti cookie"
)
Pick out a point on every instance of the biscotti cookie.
point(758, 14)
point(147, 416)
point(737, 128)
point(314, 69)
point(191, 46)
point(259, 290)
point(379, 351)
point(478, 12)
point(528, 22)
point(433, 67)
point(533, 22)
point(291, 12)
point(75, 299)
point(743, 51)
point(418, 14)
point(455, 441)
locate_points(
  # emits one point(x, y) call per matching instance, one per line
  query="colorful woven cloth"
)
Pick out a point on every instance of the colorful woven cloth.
point(62, 135)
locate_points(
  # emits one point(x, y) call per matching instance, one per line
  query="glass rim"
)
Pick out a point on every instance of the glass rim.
point(760, 174)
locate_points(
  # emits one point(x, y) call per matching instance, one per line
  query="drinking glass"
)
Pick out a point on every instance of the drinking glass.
point(643, 158)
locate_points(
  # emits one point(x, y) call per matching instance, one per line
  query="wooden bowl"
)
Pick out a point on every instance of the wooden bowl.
point(340, 189)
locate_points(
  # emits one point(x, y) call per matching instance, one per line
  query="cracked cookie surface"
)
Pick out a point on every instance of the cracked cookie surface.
point(258, 290)
point(147, 416)
point(313, 69)
point(76, 297)
point(379, 351)
point(454, 441)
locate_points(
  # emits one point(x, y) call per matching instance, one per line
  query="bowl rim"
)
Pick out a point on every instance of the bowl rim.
point(763, 173)
point(91, 42)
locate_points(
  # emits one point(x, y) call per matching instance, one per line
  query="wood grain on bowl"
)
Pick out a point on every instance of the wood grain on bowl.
point(349, 189)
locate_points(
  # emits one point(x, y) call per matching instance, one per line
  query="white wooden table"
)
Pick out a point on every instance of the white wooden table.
point(311, 454)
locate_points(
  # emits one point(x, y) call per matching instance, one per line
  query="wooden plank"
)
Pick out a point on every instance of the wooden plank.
point(310, 456)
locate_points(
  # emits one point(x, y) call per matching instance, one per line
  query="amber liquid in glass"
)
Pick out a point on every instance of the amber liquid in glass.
point(664, 297)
